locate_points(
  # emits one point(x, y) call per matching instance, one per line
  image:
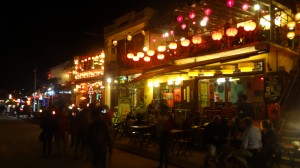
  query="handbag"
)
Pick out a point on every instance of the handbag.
point(42, 136)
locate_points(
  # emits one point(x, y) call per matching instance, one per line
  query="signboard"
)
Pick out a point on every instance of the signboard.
point(273, 86)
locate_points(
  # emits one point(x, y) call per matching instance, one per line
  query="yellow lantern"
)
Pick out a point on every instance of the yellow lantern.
point(160, 56)
point(249, 26)
point(216, 35)
point(227, 69)
point(140, 54)
point(136, 58)
point(297, 17)
point(246, 66)
point(130, 55)
point(173, 46)
point(291, 25)
point(185, 42)
point(197, 39)
point(161, 48)
point(147, 58)
point(290, 35)
point(209, 73)
point(231, 31)
point(150, 52)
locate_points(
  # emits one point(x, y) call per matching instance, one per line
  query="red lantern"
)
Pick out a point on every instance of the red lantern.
point(207, 11)
point(192, 15)
point(216, 35)
point(179, 18)
point(245, 6)
point(231, 31)
point(230, 3)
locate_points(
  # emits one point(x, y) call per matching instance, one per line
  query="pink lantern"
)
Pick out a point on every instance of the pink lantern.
point(216, 35)
point(207, 11)
point(230, 3)
point(179, 18)
point(245, 6)
point(172, 33)
point(183, 26)
point(153, 39)
point(205, 18)
point(231, 31)
point(192, 15)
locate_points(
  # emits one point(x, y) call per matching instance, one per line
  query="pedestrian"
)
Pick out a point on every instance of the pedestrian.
point(163, 128)
point(99, 140)
point(245, 108)
point(47, 125)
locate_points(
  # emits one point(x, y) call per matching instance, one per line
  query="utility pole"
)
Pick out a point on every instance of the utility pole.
point(34, 90)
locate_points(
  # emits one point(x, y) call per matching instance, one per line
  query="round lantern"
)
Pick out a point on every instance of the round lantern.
point(173, 46)
point(183, 26)
point(207, 11)
point(179, 18)
point(297, 17)
point(150, 52)
point(136, 58)
point(140, 54)
point(249, 26)
point(290, 35)
point(227, 69)
point(130, 55)
point(161, 48)
point(231, 31)
point(291, 25)
point(216, 35)
point(245, 6)
point(197, 39)
point(230, 3)
point(147, 58)
point(192, 15)
point(185, 42)
point(160, 56)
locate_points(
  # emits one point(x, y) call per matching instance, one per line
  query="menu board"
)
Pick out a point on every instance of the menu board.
point(273, 86)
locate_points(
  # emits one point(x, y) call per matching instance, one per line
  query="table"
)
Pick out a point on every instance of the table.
point(292, 149)
point(138, 133)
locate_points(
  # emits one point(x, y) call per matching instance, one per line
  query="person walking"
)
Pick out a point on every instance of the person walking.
point(163, 128)
point(47, 125)
point(100, 140)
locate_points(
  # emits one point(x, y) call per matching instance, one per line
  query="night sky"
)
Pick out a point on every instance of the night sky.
point(48, 33)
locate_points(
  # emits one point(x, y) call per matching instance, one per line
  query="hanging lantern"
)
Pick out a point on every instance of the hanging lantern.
point(150, 52)
point(173, 46)
point(197, 39)
point(153, 39)
point(230, 3)
point(179, 18)
point(161, 48)
point(160, 56)
point(185, 42)
point(249, 26)
point(207, 11)
point(192, 15)
point(140, 54)
point(227, 69)
point(231, 31)
point(193, 73)
point(246, 66)
point(136, 58)
point(245, 6)
point(115, 42)
point(291, 25)
point(130, 55)
point(183, 26)
point(216, 35)
point(129, 37)
point(147, 58)
point(290, 35)
point(297, 17)
point(208, 73)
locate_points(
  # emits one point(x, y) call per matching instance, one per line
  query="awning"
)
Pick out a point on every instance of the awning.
point(173, 68)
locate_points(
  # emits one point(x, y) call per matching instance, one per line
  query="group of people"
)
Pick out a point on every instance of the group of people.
point(88, 127)
point(241, 142)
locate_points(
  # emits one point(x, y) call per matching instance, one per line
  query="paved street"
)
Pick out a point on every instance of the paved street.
point(19, 147)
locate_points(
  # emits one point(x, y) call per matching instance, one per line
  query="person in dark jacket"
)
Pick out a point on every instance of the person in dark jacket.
point(47, 125)
point(99, 140)
point(215, 136)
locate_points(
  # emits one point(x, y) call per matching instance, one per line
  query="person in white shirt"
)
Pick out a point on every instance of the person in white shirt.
point(251, 144)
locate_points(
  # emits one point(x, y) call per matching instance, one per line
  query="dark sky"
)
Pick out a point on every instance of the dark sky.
point(48, 33)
